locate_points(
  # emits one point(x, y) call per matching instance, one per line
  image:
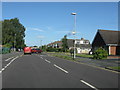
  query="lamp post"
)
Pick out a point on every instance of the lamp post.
point(14, 46)
point(41, 44)
point(74, 32)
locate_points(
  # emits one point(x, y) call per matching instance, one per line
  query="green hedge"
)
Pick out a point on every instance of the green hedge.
point(49, 49)
point(5, 50)
point(100, 53)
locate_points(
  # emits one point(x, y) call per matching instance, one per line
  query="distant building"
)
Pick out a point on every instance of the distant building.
point(56, 44)
point(82, 45)
point(107, 39)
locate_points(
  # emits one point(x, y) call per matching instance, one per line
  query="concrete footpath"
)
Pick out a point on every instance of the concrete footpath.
point(105, 63)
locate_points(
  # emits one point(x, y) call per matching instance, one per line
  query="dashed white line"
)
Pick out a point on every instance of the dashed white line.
point(9, 58)
point(60, 68)
point(47, 61)
point(8, 64)
point(88, 84)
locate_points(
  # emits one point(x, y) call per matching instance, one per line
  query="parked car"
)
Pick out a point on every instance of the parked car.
point(37, 50)
point(34, 51)
point(27, 50)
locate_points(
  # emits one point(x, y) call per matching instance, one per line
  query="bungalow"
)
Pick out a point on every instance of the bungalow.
point(108, 39)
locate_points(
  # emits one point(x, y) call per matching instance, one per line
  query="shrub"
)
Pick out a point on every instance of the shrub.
point(100, 53)
point(50, 49)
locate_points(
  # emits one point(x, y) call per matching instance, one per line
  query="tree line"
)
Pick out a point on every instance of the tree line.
point(13, 33)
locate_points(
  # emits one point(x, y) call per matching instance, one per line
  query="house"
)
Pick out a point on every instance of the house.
point(56, 44)
point(82, 45)
point(109, 40)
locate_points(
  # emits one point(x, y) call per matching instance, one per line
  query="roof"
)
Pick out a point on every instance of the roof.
point(109, 36)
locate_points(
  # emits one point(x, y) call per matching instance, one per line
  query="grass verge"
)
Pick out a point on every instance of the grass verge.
point(85, 55)
point(116, 68)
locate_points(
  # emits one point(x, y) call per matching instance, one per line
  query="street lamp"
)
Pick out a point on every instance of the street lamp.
point(74, 32)
point(41, 43)
point(14, 43)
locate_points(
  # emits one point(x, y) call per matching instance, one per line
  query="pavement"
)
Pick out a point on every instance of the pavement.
point(103, 63)
point(43, 71)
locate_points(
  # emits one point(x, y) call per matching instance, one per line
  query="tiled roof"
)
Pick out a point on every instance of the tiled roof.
point(110, 36)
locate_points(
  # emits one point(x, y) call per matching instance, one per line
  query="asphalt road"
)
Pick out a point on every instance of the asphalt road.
point(43, 71)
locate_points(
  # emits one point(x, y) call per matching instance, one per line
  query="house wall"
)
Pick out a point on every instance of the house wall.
point(87, 50)
point(98, 41)
point(112, 50)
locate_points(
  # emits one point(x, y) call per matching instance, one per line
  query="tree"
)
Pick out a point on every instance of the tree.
point(13, 33)
point(64, 43)
point(0, 32)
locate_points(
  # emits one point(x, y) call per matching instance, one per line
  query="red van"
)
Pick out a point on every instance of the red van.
point(27, 50)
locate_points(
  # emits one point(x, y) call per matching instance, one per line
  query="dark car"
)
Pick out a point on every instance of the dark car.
point(34, 51)
point(37, 50)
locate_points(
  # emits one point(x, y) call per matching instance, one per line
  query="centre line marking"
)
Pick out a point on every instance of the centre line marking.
point(47, 61)
point(60, 68)
point(88, 84)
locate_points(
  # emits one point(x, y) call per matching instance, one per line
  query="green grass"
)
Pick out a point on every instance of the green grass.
point(85, 55)
point(117, 68)
point(63, 56)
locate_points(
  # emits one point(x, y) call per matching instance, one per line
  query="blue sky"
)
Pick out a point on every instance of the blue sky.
point(50, 21)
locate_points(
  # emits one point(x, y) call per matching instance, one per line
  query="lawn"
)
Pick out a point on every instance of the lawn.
point(85, 55)
point(116, 68)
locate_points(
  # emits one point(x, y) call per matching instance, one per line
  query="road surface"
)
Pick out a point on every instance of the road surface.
point(43, 71)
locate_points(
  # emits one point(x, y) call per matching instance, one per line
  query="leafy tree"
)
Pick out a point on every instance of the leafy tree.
point(13, 33)
point(44, 48)
point(0, 32)
point(64, 43)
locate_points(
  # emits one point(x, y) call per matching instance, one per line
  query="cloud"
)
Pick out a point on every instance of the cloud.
point(40, 36)
point(36, 29)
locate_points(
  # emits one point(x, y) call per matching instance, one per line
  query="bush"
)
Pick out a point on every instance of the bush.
point(100, 53)
point(49, 49)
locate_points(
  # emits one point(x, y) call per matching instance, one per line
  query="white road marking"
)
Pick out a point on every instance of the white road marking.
point(47, 61)
point(9, 58)
point(60, 68)
point(8, 64)
point(41, 57)
point(88, 84)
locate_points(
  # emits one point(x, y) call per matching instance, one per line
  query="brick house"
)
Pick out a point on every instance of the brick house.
point(109, 40)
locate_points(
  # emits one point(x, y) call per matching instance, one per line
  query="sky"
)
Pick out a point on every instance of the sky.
point(46, 22)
